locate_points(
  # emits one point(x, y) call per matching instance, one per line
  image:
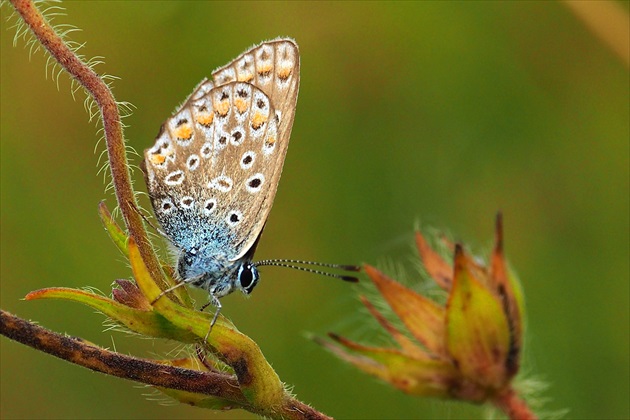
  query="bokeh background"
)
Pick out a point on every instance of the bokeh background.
point(438, 112)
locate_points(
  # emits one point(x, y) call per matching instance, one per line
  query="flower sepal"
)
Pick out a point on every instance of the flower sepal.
point(467, 348)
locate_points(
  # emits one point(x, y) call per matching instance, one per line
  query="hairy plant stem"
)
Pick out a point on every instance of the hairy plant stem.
point(97, 88)
point(144, 371)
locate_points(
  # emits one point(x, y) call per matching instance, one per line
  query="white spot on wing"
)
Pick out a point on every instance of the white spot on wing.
point(187, 202)
point(192, 162)
point(247, 160)
point(174, 178)
point(166, 206)
point(209, 206)
point(254, 183)
point(206, 150)
point(221, 183)
point(234, 218)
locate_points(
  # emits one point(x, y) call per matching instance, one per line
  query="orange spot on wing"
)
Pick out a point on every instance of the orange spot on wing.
point(284, 73)
point(222, 108)
point(157, 159)
point(184, 132)
point(258, 120)
point(205, 119)
point(245, 77)
point(264, 69)
point(240, 105)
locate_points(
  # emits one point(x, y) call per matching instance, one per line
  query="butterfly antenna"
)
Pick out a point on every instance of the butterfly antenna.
point(292, 264)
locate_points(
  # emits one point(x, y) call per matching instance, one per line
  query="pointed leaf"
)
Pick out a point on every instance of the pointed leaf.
point(511, 297)
point(423, 317)
point(374, 352)
point(115, 232)
point(120, 240)
point(180, 293)
point(422, 377)
point(259, 382)
point(478, 336)
point(147, 323)
point(436, 267)
point(408, 346)
point(130, 295)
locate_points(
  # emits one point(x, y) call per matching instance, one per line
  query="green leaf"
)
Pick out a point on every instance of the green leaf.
point(259, 382)
point(115, 232)
point(149, 323)
point(415, 376)
point(478, 336)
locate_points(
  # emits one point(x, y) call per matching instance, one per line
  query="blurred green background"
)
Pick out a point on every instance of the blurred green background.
point(435, 111)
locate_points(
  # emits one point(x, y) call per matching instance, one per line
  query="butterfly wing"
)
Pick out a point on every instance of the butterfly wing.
point(213, 172)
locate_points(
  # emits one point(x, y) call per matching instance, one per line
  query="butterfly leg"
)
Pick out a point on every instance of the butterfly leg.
point(170, 289)
point(215, 302)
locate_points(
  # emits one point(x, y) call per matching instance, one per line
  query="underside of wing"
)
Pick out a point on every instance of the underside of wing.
point(215, 167)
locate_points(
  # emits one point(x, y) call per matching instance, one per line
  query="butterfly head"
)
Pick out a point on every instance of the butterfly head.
point(217, 274)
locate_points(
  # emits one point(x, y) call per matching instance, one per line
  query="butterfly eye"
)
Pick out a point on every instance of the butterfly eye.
point(247, 278)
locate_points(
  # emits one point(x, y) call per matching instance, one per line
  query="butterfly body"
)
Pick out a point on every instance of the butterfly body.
point(214, 169)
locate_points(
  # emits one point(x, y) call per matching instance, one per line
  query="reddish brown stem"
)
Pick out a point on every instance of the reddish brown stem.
point(149, 372)
point(100, 360)
point(513, 406)
point(96, 87)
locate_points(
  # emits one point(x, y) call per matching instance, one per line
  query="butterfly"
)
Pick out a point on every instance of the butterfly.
point(214, 169)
